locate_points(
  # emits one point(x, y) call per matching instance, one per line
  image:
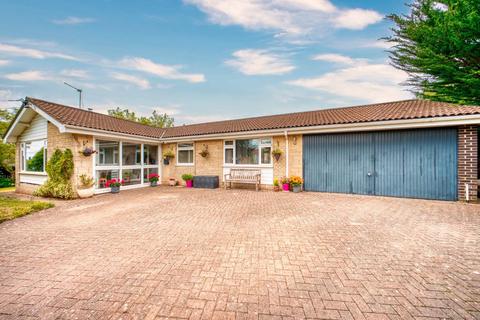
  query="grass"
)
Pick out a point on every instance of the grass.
point(7, 189)
point(11, 208)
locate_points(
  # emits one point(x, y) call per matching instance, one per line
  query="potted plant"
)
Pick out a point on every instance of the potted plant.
point(153, 178)
point(114, 185)
point(276, 185)
point(167, 156)
point(88, 151)
point(296, 183)
point(277, 153)
point(85, 189)
point(188, 178)
point(285, 184)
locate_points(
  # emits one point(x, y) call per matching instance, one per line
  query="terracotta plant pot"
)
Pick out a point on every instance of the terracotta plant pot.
point(86, 192)
point(189, 183)
point(276, 188)
point(172, 182)
point(286, 187)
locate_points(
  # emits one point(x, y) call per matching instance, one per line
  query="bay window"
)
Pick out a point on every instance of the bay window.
point(185, 153)
point(132, 162)
point(248, 151)
point(33, 156)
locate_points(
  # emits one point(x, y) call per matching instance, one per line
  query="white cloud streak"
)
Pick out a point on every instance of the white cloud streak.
point(137, 81)
point(75, 73)
point(369, 83)
point(335, 58)
point(288, 18)
point(32, 53)
point(4, 62)
point(160, 70)
point(73, 21)
point(259, 62)
point(31, 75)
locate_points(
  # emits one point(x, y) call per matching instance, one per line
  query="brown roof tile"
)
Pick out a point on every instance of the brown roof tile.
point(400, 110)
point(93, 120)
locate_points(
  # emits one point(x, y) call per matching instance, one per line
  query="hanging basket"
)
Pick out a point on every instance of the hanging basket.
point(87, 151)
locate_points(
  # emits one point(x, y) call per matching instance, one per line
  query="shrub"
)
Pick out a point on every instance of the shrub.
point(59, 169)
point(5, 182)
point(187, 177)
point(275, 182)
point(168, 154)
point(284, 180)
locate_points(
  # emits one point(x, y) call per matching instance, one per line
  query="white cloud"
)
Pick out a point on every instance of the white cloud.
point(160, 70)
point(259, 62)
point(357, 19)
point(32, 75)
point(73, 21)
point(368, 83)
point(378, 44)
point(33, 53)
point(4, 62)
point(75, 73)
point(139, 82)
point(335, 58)
point(289, 18)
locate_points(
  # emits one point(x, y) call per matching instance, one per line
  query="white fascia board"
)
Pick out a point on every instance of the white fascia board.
point(363, 126)
point(6, 138)
point(109, 134)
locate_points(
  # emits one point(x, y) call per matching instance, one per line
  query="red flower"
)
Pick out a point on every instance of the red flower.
point(114, 183)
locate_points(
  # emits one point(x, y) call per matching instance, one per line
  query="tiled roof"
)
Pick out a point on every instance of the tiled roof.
point(87, 119)
point(400, 110)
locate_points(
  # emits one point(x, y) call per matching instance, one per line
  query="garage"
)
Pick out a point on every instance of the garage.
point(418, 163)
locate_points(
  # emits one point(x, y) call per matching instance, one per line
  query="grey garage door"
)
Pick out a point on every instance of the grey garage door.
point(407, 163)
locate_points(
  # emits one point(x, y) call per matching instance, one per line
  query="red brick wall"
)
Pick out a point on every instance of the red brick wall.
point(467, 161)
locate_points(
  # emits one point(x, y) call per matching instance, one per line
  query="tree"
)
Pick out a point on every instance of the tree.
point(438, 45)
point(7, 150)
point(155, 120)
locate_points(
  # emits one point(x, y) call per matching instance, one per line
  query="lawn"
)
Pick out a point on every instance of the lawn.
point(11, 208)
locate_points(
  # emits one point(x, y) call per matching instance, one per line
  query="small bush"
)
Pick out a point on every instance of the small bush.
point(59, 169)
point(5, 182)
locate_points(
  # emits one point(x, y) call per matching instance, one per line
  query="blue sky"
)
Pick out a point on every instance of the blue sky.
point(199, 60)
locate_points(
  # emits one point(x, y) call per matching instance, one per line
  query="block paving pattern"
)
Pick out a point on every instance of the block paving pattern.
point(175, 253)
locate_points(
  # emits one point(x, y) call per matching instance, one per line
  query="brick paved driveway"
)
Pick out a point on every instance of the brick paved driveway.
point(177, 253)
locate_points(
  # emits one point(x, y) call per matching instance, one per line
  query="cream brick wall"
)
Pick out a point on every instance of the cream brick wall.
point(76, 143)
point(295, 162)
point(211, 165)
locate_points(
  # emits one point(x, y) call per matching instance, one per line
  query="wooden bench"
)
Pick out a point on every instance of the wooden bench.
point(251, 176)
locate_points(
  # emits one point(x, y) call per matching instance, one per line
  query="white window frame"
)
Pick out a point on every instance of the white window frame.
point(192, 148)
point(120, 166)
point(23, 157)
point(260, 147)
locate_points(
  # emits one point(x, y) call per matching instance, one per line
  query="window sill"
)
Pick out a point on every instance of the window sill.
point(185, 164)
point(229, 165)
point(33, 173)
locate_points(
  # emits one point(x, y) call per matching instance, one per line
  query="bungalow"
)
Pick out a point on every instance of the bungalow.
point(413, 148)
